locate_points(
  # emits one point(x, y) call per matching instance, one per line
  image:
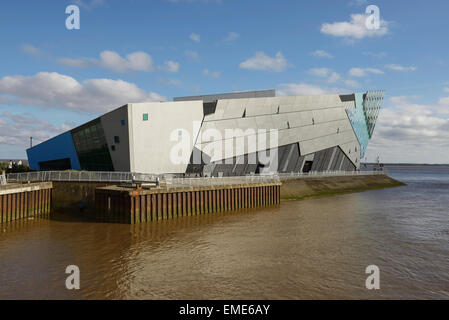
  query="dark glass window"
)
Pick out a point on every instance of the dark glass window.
point(123, 122)
point(145, 117)
point(116, 139)
point(91, 147)
point(307, 166)
point(59, 164)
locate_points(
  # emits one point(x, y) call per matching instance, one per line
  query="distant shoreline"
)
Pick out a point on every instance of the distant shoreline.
point(407, 164)
point(25, 161)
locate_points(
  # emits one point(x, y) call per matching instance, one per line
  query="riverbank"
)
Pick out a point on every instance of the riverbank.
point(303, 188)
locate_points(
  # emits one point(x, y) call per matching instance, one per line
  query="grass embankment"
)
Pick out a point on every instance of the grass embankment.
point(303, 188)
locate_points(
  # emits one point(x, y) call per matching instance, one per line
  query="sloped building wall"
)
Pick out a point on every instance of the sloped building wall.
point(312, 131)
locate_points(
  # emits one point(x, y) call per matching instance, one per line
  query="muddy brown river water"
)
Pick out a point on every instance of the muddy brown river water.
point(311, 249)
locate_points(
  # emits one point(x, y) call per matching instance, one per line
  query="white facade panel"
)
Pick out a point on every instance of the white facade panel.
point(151, 143)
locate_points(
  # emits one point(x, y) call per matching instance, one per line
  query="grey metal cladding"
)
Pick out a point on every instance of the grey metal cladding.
point(289, 160)
point(286, 160)
point(225, 169)
point(345, 164)
point(299, 164)
point(319, 155)
point(331, 159)
point(234, 95)
point(337, 160)
point(251, 168)
point(239, 169)
point(283, 152)
point(293, 159)
point(197, 161)
point(328, 159)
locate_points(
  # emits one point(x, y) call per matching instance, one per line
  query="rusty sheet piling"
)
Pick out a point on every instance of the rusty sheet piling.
point(21, 201)
point(126, 205)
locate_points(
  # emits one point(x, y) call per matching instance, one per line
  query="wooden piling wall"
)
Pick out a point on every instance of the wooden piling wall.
point(115, 204)
point(24, 201)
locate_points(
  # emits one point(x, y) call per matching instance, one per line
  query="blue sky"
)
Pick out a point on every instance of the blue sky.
point(53, 79)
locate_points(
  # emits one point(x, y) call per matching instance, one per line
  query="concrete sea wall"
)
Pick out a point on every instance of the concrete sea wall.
point(307, 187)
point(67, 196)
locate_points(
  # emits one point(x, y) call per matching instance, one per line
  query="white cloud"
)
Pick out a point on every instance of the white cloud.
point(260, 61)
point(352, 83)
point(320, 72)
point(212, 74)
point(16, 129)
point(195, 37)
point(111, 60)
point(331, 76)
point(334, 77)
point(354, 29)
point(446, 89)
point(305, 89)
point(321, 54)
point(193, 55)
point(299, 89)
point(443, 106)
point(29, 49)
point(170, 66)
point(410, 132)
point(138, 61)
point(230, 37)
point(396, 67)
point(74, 62)
point(362, 72)
point(54, 90)
point(4, 100)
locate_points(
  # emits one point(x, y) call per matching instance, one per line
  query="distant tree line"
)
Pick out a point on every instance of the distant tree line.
point(14, 167)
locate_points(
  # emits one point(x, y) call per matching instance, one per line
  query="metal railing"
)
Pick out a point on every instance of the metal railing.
point(218, 181)
point(169, 180)
point(81, 176)
point(2, 179)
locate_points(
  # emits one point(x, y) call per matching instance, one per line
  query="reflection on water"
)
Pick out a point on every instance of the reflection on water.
point(300, 249)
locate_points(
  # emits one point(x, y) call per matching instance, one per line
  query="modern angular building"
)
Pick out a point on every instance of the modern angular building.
point(220, 135)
